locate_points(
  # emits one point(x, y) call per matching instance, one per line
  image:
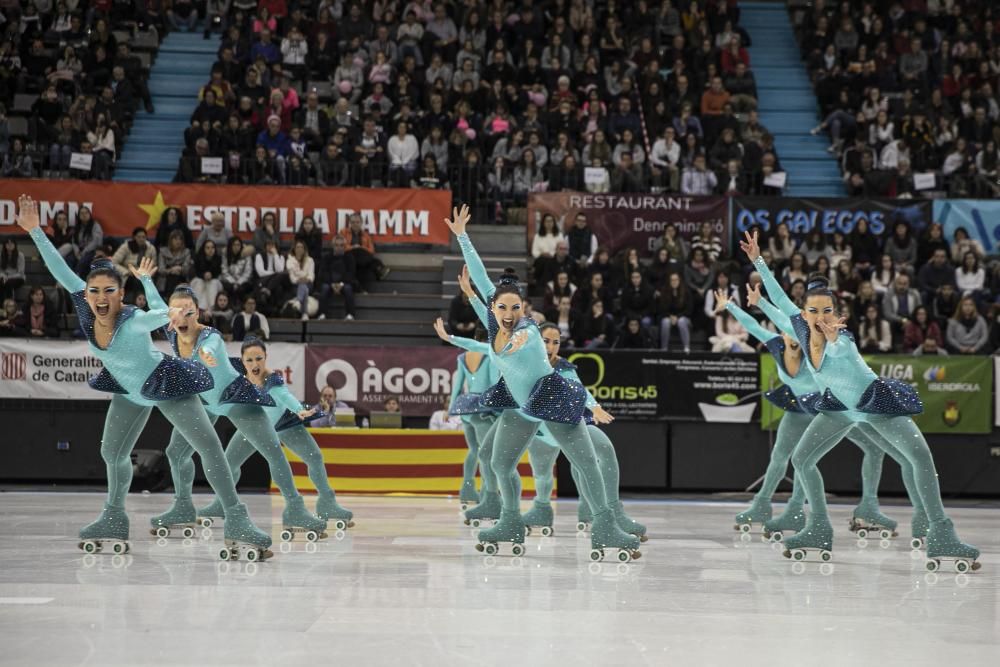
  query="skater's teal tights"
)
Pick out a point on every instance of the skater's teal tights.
point(124, 423)
point(543, 457)
point(253, 423)
point(899, 436)
point(297, 439)
point(476, 427)
point(514, 432)
point(607, 459)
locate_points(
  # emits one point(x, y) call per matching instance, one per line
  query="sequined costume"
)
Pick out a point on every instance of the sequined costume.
point(476, 419)
point(530, 392)
point(140, 377)
point(851, 393)
point(234, 397)
point(796, 396)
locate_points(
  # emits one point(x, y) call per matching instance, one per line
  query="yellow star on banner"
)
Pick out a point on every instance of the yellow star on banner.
point(154, 211)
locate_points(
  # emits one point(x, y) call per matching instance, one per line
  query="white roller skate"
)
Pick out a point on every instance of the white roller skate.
point(109, 532)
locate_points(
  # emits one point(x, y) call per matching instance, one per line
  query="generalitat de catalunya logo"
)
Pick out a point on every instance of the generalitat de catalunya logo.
point(13, 365)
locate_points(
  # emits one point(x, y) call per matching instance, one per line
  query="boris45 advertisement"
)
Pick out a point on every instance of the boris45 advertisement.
point(659, 385)
point(956, 391)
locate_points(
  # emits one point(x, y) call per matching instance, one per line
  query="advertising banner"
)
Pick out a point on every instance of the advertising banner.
point(55, 369)
point(630, 220)
point(394, 216)
point(956, 391)
point(660, 385)
point(829, 215)
point(979, 217)
point(364, 377)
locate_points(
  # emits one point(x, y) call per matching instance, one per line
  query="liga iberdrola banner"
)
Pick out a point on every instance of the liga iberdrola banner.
point(630, 220)
point(59, 369)
point(394, 216)
point(956, 390)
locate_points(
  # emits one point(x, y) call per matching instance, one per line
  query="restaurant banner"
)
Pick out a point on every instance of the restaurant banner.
point(660, 385)
point(60, 369)
point(956, 390)
point(396, 216)
point(829, 215)
point(630, 220)
point(979, 217)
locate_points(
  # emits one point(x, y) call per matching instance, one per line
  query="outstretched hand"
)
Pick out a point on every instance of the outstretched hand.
point(207, 358)
point(831, 330)
point(147, 267)
point(750, 245)
point(602, 416)
point(441, 331)
point(27, 215)
point(459, 219)
point(721, 299)
point(465, 282)
point(306, 414)
point(517, 341)
point(753, 294)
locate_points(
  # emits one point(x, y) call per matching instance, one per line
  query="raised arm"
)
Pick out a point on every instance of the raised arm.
point(750, 324)
point(465, 283)
point(774, 291)
point(782, 321)
point(285, 399)
point(458, 341)
point(477, 270)
point(457, 381)
point(27, 219)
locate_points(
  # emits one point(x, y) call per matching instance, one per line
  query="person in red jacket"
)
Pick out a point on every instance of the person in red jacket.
point(922, 335)
point(361, 246)
point(733, 54)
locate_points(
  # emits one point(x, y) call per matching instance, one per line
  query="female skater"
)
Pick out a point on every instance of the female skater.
point(532, 394)
point(853, 393)
point(140, 377)
point(233, 396)
point(796, 396)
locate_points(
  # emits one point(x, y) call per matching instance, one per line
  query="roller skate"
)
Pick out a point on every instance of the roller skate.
point(110, 530)
point(758, 512)
point(510, 528)
point(943, 545)
point(182, 515)
point(488, 510)
point(243, 538)
point(211, 513)
point(328, 508)
point(605, 536)
point(539, 516)
point(918, 529)
point(628, 524)
point(868, 521)
point(792, 519)
point(468, 496)
point(816, 536)
point(297, 519)
point(584, 517)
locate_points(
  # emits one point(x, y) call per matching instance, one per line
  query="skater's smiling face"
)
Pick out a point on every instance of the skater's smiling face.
point(507, 309)
point(104, 296)
point(550, 336)
point(255, 361)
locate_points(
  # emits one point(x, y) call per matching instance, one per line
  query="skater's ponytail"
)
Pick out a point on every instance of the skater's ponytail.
point(106, 268)
point(507, 284)
point(184, 291)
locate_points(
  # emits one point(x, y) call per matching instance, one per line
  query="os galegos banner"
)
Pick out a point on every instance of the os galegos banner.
point(390, 215)
point(829, 215)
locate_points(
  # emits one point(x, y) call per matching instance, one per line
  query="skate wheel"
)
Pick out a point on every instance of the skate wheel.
point(205, 522)
point(744, 527)
point(961, 566)
point(862, 533)
point(777, 537)
point(596, 555)
point(933, 565)
point(581, 526)
point(118, 548)
point(188, 532)
point(517, 549)
point(885, 534)
point(253, 555)
point(798, 554)
point(490, 549)
point(464, 506)
point(527, 531)
point(287, 535)
point(90, 547)
point(916, 543)
point(163, 531)
point(312, 536)
point(223, 554)
point(546, 531)
point(340, 524)
point(476, 523)
point(825, 556)
point(624, 556)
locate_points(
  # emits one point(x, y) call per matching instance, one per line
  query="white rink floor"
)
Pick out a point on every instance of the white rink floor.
point(406, 587)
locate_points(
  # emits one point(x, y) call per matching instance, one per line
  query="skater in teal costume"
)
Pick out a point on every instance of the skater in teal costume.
point(852, 393)
point(531, 393)
point(289, 418)
point(140, 377)
point(796, 396)
point(232, 396)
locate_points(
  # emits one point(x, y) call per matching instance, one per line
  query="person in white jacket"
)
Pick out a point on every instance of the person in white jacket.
point(271, 274)
point(404, 153)
point(294, 49)
point(301, 274)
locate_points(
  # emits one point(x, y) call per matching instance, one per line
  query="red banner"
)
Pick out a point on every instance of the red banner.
point(630, 220)
point(364, 377)
point(390, 215)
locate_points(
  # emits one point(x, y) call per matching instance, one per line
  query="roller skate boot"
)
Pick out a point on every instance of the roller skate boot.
point(243, 538)
point(109, 531)
point(943, 545)
point(816, 536)
point(584, 516)
point(607, 538)
point(918, 529)
point(758, 512)
point(468, 495)
point(868, 521)
point(510, 528)
point(540, 517)
point(297, 519)
point(792, 519)
point(628, 524)
point(211, 513)
point(488, 509)
point(181, 516)
point(328, 508)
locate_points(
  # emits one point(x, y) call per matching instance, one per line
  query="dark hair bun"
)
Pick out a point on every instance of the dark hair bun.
point(509, 277)
point(102, 265)
point(817, 281)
